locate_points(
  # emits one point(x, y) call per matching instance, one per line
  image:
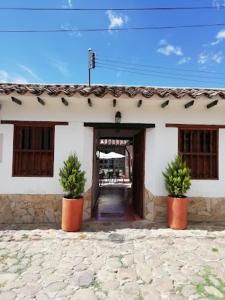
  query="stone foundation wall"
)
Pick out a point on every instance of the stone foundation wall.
point(25, 209)
point(36, 209)
point(149, 206)
point(199, 209)
point(207, 209)
point(87, 205)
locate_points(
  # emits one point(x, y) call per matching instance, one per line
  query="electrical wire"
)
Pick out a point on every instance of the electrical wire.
point(160, 76)
point(147, 66)
point(112, 9)
point(158, 72)
point(153, 74)
point(107, 29)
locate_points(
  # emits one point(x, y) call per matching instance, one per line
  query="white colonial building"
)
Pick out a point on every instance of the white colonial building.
point(42, 124)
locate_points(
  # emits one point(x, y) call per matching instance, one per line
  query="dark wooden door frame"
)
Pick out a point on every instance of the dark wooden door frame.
point(121, 130)
point(95, 175)
point(139, 172)
point(106, 125)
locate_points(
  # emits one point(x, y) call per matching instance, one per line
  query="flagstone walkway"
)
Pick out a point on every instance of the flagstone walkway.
point(127, 263)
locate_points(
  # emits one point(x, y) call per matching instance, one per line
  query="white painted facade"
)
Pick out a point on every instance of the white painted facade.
point(161, 142)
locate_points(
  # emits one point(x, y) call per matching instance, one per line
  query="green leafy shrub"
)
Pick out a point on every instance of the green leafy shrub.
point(177, 178)
point(72, 178)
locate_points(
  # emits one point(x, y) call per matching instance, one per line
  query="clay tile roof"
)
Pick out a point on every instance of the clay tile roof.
point(147, 93)
point(116, 91)
point(102, 90)
point(132, 91)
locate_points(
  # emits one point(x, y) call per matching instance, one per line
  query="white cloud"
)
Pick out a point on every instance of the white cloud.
point(218, 3)
point(60, 65)
point(217, 57)
point(29, 71)
point(219, 37)
point(205, 58)
point(184, 60)
point(5, 77)
point(69, 4)
point(169, 49)
point(116, 20)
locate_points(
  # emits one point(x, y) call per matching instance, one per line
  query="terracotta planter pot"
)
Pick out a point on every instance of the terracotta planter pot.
point(177, 209)
point(72, 211)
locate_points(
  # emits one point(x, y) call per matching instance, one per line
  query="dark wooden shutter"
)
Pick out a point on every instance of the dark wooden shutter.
point(199, 148)
point(33, 153)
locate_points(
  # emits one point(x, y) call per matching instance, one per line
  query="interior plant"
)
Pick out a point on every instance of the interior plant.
point(72, 179)
point(177, 182)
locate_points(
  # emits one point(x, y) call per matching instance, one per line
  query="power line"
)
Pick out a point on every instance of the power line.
point(160, 76)
point(112, 9)
point(157, 72)
point(153, 74)
point(107, 29)
point(168, 75)
point(147, 66)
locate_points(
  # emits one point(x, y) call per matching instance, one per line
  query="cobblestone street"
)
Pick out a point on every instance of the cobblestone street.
point(126, 263)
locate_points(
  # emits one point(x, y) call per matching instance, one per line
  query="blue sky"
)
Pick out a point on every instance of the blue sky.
point(62, 57)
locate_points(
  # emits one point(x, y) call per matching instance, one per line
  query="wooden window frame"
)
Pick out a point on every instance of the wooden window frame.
point(34, 152)
point(34, 124)
point(190, 127)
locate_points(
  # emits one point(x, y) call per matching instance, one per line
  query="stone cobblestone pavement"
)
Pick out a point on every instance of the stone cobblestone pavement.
point(102, 262)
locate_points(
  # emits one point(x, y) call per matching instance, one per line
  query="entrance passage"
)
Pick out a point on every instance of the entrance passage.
point(113, 203)
point(118, 175)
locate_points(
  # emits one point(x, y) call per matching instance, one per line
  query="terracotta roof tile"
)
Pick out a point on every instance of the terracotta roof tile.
point(100, 91)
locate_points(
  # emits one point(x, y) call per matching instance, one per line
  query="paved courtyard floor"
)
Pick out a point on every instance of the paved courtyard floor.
point(102, 262)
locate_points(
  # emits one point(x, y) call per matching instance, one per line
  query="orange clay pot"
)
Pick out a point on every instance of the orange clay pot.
point(177, 212)
point(72, 211)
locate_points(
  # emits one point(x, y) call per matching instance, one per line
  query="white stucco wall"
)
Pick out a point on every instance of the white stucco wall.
point(161, 142)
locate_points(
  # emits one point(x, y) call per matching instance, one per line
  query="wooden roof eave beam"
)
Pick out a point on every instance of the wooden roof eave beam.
point(211, 104)
point(16, 100)
point(64, 101)
point(90, 102)
point(41, 101)
point(164, 104)
point(189, 104)
point(139, 104)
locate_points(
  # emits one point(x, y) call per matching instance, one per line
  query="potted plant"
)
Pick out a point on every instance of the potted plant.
point(73, 181)
point(177, 182)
